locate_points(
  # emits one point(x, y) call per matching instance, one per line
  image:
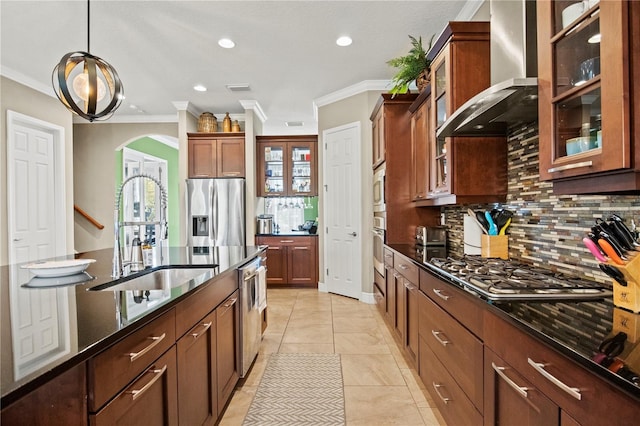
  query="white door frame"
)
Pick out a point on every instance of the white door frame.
point(357, 125)
point(60, 209)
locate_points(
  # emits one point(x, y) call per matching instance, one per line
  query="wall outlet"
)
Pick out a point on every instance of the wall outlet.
point(443, 219)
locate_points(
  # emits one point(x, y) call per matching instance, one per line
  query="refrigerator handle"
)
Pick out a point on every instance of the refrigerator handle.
point(213, 196)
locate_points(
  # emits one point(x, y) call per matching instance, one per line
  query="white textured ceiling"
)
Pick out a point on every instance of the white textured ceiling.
point(285, 50)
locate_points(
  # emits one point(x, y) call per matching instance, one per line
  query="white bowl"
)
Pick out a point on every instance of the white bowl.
point(571, 13)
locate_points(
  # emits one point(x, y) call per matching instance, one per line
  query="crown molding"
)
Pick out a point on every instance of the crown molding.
point(18, 77)
point(355, 89)
point(469, 10)
point(255, 106)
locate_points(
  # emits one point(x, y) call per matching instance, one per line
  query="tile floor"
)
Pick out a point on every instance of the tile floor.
point(380, 387)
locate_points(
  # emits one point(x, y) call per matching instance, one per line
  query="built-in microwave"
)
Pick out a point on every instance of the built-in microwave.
point(378, 190)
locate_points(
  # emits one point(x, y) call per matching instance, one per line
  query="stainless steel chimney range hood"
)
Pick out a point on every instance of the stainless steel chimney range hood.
point(513, 96)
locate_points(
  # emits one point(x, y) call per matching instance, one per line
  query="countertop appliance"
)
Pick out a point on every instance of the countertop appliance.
point(215, 212)
point(265, 224)
point(252, 282)
point(431, 235)
point(498, 279)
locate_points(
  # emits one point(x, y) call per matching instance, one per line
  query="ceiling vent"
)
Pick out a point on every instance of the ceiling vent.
point(244, 87)
point(294, 123)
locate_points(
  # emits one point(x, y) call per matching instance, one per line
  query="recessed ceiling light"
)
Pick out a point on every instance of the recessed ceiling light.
point(344, 41)
point(199, 88)
point(226, 43)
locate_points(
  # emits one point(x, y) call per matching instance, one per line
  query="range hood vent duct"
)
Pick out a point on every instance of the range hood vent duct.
point(513, 96)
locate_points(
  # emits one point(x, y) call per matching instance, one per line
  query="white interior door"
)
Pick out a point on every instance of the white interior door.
point(35, 190)
point(343, 210)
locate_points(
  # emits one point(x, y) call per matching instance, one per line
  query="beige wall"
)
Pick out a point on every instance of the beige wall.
point(94, 188)
point(19, 98)
point(349, 110)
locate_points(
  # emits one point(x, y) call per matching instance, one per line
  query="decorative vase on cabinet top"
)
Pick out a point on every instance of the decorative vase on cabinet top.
point(226, 124)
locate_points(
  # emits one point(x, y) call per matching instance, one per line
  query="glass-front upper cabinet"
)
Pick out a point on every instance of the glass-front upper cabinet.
point(583, 87)
point(439, 177)
point(287, 166)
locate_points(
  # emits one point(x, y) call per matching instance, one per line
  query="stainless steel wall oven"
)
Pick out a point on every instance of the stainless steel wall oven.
point(379, 238)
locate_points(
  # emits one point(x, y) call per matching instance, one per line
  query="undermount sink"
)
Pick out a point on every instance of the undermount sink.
point(161, 279)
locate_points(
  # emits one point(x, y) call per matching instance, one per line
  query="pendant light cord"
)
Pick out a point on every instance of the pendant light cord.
point(88, 28)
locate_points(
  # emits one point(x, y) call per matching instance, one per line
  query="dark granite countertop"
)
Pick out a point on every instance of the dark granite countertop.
point(55, 327)
point(574, 328)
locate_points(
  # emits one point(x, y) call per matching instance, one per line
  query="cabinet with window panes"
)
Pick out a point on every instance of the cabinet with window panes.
point(586, 102)
point(287, 166)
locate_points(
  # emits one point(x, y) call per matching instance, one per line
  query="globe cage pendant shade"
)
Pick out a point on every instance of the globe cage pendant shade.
point(87, 85)
point(81, 81)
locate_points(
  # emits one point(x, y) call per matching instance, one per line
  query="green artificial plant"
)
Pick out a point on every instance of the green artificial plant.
point(410, 66)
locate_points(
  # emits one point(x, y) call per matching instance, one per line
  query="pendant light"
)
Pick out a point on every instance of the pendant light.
point(87, 85)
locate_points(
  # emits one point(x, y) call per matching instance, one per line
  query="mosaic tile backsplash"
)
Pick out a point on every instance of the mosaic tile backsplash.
point(546, 229)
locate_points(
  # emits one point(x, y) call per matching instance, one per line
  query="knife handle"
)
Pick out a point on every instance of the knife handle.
point(609, 250)
point(493, 229)
point(503, 230)
point(594, 249)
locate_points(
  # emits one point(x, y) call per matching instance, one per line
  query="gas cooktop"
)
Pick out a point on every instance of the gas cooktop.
point(498, 279)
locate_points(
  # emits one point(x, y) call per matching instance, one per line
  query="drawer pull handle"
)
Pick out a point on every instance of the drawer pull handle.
point(388, 256)
point(206, 327)
point(286, 241)
point(440, 294)
point(437, 387)
point(396, 275)
point(230, 302)
point(158, 374)
point(301, 248)
point(155, 341)
point(570, 166)
point(437, 334)
point(520, 389)
point(402, 266)
point(539, 367)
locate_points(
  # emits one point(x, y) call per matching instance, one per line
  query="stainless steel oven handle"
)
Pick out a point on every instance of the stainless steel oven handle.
point(539, 367)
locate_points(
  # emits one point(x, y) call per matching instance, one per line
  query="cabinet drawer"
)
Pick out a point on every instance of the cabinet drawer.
point(149, 400)
point(388, 257)
point(453, 300)
point(407, 268)
point(459, 350)
point(203, 301)
point(598, 400)
point(452, 402)
point(113, 369)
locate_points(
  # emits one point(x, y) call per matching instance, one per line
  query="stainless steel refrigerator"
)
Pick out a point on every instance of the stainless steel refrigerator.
point(215, 212)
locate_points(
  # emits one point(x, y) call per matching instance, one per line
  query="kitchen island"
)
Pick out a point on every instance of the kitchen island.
point(542, 361)
point(61, 329)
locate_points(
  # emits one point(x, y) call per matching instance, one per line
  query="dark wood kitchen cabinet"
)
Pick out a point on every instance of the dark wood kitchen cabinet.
point(391, 126)
point(291, 259)
point(197, 368)
point(151, 399)
point(589, 98)
point(227, 348)
point(513, 399)
point(59, 402)
point(213, 155)
point(582, 397)
point(420, 141)
point(287, 166)
point(462, 169)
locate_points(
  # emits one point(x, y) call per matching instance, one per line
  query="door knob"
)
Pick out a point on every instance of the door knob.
point(353, 234)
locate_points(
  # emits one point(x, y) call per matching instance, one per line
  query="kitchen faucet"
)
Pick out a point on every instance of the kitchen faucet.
point(118, 265)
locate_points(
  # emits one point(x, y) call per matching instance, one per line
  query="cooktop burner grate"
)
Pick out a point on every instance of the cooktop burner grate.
point(509, 279)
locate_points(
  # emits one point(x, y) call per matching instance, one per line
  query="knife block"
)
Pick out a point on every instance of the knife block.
point(495, 246)
point(628, 297)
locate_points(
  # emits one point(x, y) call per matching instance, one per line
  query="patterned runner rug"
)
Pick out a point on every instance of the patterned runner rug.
point(299, 389)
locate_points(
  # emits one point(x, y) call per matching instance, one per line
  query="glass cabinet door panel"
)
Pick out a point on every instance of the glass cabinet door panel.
point(579, 124)
point(568, 12)
point(274, 169)
point(441, 164)
point(577, 56)
point(301, 169)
